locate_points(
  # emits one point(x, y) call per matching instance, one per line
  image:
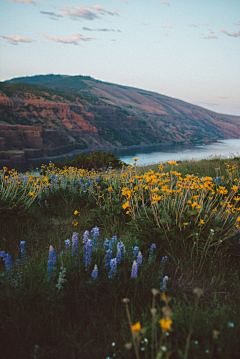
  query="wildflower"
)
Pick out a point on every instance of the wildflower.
point(139, 259)
point(165, 324)
point(75, 246)
point(113, 270)
point(126, 205)
point(136, 327)
point(121, 246)
point(230, 325)
point(67, 244)
point(185, 224)
point(136, 250)
point(164, 283)
point(106, 244)
point(61, 278)
point(8, 263)
point(113, 242)
point(151, 250)
point(31, 194)
point(95, 272)
point(135, 159)
point(85, 237)
point(163, 261)
point(95, 236)
point(87, 253)
point(51, 262)
point(108, 258)
point(23, 252)
point(119, 256)
point(134, 270)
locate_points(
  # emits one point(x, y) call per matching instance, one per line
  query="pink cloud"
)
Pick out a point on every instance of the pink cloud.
point(102, 11)
point(234, 34)
point(145, 23)
point(236, 23)
point(165, 3)
point(15, 39)
point(193, 25)
point(84, 12)
point(26, 1)
point(209, 37)
point(168, 26)
point(74, 40)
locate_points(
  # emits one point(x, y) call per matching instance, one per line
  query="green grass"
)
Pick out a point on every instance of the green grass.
point(86, 317)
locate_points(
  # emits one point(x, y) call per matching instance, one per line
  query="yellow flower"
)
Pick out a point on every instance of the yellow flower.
point(31, 193)
point(126, 205)
point(202, 221)
point(76, 212)
point(136, 327)
point(135, 159)
point(74, 223)
point(185, 224)
point(165, 324)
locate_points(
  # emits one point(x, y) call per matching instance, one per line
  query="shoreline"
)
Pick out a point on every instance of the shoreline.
point(32, 163)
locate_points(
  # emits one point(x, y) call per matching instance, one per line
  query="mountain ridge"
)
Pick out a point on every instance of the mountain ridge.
point(81, 113)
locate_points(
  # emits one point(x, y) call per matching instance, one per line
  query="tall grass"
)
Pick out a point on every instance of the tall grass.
point(61, 296)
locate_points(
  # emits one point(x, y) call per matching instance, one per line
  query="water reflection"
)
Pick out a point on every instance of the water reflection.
point(225, 149)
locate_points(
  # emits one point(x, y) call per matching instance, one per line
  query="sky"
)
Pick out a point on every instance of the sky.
point(185, 49)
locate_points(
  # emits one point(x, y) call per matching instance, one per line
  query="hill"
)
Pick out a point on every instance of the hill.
point(47, 116)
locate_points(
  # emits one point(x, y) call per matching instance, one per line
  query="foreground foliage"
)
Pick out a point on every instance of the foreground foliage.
point(151, 228)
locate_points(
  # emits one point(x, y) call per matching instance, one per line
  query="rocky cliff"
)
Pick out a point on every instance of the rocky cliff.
point(39, 123)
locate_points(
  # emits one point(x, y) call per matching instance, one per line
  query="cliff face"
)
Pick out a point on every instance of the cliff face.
point(38, 122)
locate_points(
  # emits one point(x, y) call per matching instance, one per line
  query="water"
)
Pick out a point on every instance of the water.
point(225, 149)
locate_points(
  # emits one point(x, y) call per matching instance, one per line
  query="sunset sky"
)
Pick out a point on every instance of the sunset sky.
point(186, 49)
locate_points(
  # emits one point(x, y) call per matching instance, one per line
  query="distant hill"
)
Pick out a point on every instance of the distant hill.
point(47, 116)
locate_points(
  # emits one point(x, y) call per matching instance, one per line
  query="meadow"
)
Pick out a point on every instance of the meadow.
point(137, 262)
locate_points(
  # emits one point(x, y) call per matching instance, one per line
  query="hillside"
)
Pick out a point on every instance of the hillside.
point(45, 116)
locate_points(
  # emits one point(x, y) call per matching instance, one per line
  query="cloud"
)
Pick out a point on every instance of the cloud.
point(85, 13)
point(234, 34)
point(26, 1)
point(50, 13)
point(74, 40)
point(103, 30)
point(15, 39)
point(236, 23)
point(145, 23)
point(209, 37)
point(167, 34)
point(168, 26)
point(165, 3)
point(193, 25)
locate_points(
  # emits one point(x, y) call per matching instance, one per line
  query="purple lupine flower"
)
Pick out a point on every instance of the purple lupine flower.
point(95, 236)
point(119, 256)
point(67, 244)
point(51, 262)
point(23, 252)
point(164, 283)
point(151, 250)
point(135, 250)
point(121, 246)
point(108, 258)
point(75, 246)
point(85, 237)
point(8, 263)
point(112, 242)
point(113, 270)
point(106, 244)
point(2, 254)
point(87, 253)
point(163, 261)
point(134, 270)
point(139, 259)
point(95, 272)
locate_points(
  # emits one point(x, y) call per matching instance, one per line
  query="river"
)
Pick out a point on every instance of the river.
point(223, 148)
